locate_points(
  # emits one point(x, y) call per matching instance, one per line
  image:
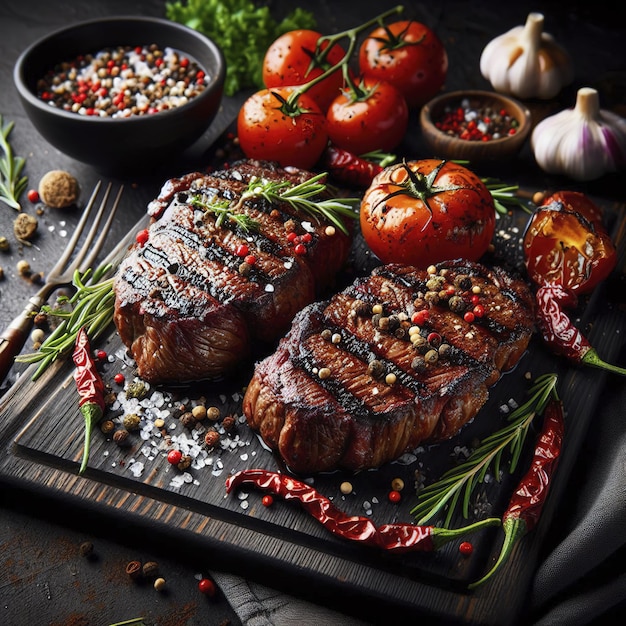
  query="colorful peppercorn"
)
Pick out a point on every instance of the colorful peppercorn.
point(122, 82)
point(473, 121)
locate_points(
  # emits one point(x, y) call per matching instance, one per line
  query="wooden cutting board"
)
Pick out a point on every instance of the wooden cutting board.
point(41, 431)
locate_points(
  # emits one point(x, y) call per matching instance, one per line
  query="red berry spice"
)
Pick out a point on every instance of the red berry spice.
point(174, 457)
point(267, 500)
point(33, 196)
point(250, 259)
point(207, 587)
point(469, 317)
point(394, 496)
point(142, 237)
point(242, 250)
point(119, 378)
point(420, 317)
point(466, 548)
point(101, 355)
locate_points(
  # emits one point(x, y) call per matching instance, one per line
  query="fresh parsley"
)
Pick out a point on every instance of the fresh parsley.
point(242, 30)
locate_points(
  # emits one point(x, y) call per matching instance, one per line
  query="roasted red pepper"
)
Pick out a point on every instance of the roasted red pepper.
point(566, 244)
point(392, 537)
point(348, 168)
point(527, 501)
point(567, 252)
point(90, 389)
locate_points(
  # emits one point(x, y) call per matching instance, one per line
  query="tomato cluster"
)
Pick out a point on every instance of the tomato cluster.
point(312, 98)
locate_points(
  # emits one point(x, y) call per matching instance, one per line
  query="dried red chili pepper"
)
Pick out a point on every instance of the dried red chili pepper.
point(90, 389)
point(526, 503)
point(392, 537)
point(348, 168)
point(560, 333)
point(567, 252)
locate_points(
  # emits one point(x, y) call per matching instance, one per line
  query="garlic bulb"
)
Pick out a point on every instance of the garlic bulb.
point(584, 142)
point(526, 62)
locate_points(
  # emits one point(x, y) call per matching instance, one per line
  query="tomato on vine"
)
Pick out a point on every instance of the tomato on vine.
point(282, 125)
point(410, 56)
point(367, 116)
point(299, 56)
point(425, 211)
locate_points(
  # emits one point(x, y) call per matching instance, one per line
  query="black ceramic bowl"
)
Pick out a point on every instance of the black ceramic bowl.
point(120, 144)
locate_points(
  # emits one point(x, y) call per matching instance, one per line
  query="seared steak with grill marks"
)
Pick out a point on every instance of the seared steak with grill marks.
point(191, 299)
point(389, 363)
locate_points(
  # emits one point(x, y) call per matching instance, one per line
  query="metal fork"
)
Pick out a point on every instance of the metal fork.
point(14, 337)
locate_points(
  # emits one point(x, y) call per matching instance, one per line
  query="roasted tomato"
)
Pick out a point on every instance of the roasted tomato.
point(408, 55)
point(372, 115)
point(426, 211)
point(297, 57)
point(273, 126)
point(565, 243)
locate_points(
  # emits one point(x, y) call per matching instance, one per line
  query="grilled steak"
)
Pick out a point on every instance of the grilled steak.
point(389, 363)
point(190, 301)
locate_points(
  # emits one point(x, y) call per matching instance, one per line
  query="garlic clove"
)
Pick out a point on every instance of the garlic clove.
point(527, 62)
point(584, 142)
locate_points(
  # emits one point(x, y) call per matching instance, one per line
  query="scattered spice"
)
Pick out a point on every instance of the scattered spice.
point(58, 189)
point(134, 569)
point(207, 587)
point(150, 568)
point(86, 549)
point(159, 584)
point(25, 227)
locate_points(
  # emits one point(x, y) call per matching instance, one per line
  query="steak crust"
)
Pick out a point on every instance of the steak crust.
point(187, 304)
point(361, 379)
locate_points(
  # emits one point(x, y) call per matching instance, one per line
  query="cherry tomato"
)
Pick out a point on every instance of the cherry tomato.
point(273, 128)
point(425, 211)
point(374, 116)
point(566, 243)
point(298, 57)
point(408, 55)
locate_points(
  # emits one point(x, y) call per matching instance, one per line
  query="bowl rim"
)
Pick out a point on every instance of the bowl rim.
point(24, 92)
point(427, 120)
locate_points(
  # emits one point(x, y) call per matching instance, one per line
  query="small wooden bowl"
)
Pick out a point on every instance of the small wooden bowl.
point(450, 146)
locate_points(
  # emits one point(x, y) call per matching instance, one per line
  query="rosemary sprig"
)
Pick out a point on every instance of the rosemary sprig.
point(12, 183)
point(91, 306)
point(223, 210)
point(303, 196)
point(505, 196)
point(459, 482)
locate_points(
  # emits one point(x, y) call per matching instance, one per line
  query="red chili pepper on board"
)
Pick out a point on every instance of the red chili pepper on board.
point(392, 537)
point(527, 501)
point(90, 389)
point(560, 333)
point(567, 252)
point(348, 168)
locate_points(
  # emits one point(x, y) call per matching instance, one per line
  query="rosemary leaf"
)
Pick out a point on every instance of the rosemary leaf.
point(302, 198)
point(465, 477)
point(12, 183)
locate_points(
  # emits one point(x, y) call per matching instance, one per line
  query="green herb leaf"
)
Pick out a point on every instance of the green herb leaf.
point(306, 197)
point(92, 306)
point(12, 183)
point(243, 31)
point(458, 483)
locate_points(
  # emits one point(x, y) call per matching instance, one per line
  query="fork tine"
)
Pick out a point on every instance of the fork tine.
point(71, 244)
point(90, 250)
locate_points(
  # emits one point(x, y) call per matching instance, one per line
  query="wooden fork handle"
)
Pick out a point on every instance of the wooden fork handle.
point(14, 337)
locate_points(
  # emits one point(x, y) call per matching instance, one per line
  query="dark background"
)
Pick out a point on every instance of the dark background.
point(43, 579)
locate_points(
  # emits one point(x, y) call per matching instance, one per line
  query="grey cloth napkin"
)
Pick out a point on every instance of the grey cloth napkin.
point(583, 575)
point(257, 605)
